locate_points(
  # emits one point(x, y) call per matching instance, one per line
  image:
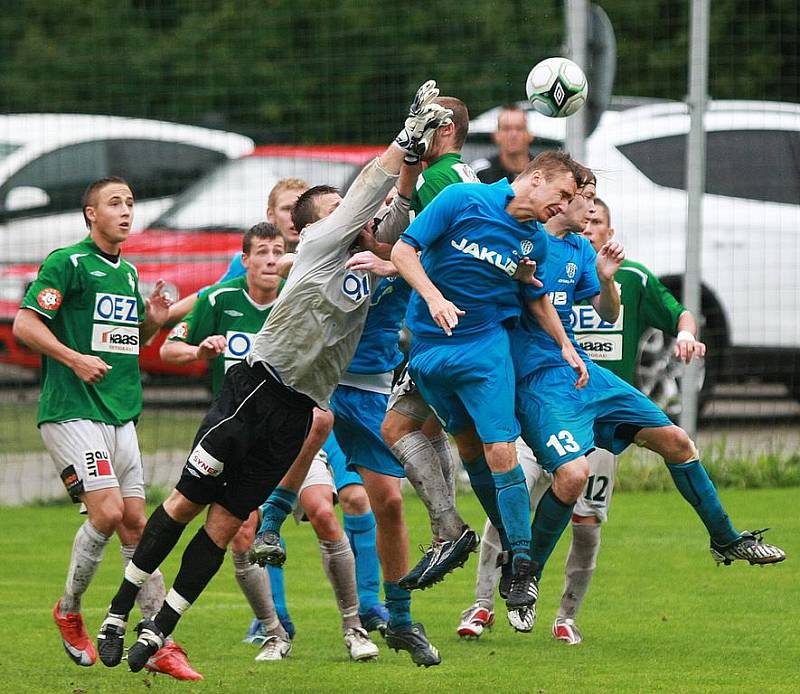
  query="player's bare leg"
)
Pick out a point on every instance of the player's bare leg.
point(386, 500)
point(694, 484)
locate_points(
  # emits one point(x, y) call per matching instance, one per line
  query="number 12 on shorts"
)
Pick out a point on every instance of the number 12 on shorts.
point(563, 443)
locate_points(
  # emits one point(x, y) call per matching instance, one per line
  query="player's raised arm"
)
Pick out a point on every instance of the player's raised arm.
point(609, 259)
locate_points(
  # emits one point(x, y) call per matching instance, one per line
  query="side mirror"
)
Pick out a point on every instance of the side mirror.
point(25, 198)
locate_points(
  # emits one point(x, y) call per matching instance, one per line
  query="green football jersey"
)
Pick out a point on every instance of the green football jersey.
point(224, 309)
point(645, 303)
point(92, 305)
point(441, 172)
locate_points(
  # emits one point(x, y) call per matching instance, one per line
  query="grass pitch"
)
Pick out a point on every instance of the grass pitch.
point(659, 617)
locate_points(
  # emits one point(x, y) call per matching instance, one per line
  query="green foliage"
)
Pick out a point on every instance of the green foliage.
point(659, 617)
point(321, 71)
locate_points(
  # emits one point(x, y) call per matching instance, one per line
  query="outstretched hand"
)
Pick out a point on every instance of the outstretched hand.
point(609, 259)
point(525, 273)
point(156, 306)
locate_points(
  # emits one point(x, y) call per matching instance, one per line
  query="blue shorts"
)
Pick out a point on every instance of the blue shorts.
point(469, 384)
point(357, 425)
point(337, 461)
point(561, 423)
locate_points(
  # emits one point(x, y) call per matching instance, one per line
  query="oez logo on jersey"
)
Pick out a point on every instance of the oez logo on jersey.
point(116, 308)
point(355, 286)
point(487, 255)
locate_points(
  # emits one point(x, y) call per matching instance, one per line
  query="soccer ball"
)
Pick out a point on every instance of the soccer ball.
point(556, 87)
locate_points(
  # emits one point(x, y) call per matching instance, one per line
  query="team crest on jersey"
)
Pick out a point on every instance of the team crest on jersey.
point(526, 247)
point(572, 268)
point(49, 299)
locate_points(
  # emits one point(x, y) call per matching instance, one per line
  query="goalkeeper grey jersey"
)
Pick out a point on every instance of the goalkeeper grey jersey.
point(316, 323)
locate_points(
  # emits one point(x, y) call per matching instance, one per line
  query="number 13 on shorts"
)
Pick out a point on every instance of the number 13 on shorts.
point(563, 443)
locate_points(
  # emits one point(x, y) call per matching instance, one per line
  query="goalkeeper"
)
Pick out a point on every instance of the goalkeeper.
point(265, 407)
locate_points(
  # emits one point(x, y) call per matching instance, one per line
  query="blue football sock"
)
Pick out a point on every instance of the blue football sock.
point(360, 531)
point(279, 592)
point(276, 508)
point(513, 503)
point(696, 487)
point(398, 602)
point(551, 518)
point(480, 477)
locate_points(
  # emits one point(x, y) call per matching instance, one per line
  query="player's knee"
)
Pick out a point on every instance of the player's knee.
point(679, 447)
point(325, 523)
point(395, 427)
point(244, 536)
point(107, 515)
point(354, 500)
point(570, 479)
point(390, 510)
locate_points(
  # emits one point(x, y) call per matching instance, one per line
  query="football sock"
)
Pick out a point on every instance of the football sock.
point(488, 573)
point(398, 602)
point(276, 508)
point(696, 487)
point(279, 595)
point(360, 531)
point(423, 468)
point(579, 569)
point(549, 522)
point(340, 568)
point(153, 592)
point(87, 553)
point(441, 444)
point(513, 503)
point(201, 560)
point(480, 477)
point(160, 536)
point(254, 582)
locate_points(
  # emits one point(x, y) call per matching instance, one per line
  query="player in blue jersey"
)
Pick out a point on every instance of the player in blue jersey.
point(562, 425)
point(476, 241)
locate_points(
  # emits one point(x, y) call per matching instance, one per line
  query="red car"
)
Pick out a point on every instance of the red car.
point(191, 244)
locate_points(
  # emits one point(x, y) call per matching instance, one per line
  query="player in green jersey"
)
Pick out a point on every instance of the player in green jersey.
point(645, 303)
point(85, 315)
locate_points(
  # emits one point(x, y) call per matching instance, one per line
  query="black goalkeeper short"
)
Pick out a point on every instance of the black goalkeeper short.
point(247, 441)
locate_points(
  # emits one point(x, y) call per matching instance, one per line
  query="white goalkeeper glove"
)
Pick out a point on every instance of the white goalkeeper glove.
point(423, 118)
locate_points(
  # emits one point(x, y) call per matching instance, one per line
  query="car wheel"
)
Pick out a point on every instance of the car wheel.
point(659, 373)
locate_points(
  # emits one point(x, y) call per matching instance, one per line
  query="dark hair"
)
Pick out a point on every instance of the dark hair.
point(304, 211)
point(601, 203)
point(554, 161)
point(460, 117)
point(88, 198)
point(262, 230)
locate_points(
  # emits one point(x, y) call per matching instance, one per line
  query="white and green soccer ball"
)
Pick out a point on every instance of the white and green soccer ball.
point(556, 87)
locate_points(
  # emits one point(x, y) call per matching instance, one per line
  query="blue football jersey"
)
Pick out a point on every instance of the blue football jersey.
point(378, 350)
point(471, 248)
point(570, 276)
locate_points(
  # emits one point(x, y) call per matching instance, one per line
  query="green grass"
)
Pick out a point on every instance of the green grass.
point(660, 616)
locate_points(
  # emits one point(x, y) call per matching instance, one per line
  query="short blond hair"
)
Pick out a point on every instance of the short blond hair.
point(283, 185)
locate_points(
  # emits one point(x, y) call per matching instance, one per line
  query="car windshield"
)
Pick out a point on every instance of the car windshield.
point(234, 197)
point(7, 148)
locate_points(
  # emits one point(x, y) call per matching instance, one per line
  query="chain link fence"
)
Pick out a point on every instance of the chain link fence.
point(315, 86)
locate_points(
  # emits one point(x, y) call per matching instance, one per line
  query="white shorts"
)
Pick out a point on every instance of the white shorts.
point(92, 455)
point(596, 497)
point(406, 399)
point(318, 474)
